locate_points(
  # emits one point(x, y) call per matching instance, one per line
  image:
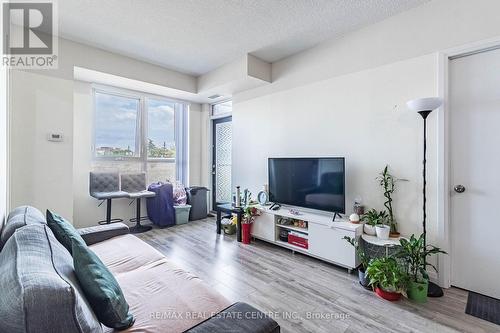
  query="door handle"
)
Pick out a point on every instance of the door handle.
point(459, 188)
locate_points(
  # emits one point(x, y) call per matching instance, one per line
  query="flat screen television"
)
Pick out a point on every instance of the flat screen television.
point(315, 183)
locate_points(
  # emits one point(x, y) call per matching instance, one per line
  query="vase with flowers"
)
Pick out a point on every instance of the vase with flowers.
point(249, 215)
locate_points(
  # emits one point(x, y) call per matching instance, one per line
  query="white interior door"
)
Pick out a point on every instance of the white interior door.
point(475, 164)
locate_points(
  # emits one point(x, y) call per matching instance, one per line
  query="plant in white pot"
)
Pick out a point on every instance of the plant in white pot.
point(373, 218)
point(383, 229)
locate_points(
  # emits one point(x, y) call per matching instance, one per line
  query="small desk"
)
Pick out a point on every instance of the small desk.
point(229, 209)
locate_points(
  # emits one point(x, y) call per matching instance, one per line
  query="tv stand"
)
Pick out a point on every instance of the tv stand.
point(335, 214)
point(325, 238)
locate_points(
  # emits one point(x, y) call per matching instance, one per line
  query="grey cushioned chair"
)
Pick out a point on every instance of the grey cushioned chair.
point(135, 186)
point(105, 186)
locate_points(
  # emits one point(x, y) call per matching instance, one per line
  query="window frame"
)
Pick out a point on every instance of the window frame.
point(181, 109)
point(146, 125)
point(138, 130)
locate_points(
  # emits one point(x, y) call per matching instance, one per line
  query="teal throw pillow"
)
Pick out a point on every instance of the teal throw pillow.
point(63, 230)
point(101, 289)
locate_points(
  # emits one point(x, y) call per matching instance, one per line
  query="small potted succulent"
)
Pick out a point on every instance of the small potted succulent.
point(387, 278)
point(363, 258)
point(414, 252)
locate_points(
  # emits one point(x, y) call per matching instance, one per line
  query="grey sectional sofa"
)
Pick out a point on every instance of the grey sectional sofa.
point(40, 292)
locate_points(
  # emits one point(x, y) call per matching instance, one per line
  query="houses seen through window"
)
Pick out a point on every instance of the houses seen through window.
point(136, 132)
point(116, 125)
point(161, 129)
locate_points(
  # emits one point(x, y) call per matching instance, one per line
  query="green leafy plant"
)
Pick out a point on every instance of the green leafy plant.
point(386, 273)
point(388, 183)
point(414, 253)
point(363, 258)
point(374, 217)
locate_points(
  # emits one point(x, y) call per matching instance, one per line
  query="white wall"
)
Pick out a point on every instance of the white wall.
point(361, 116)
point(346, 97)
point(206, 152)
point(3, 144)
point(41, 171)
point(73, 54)
point(195, 143)
point(434, 26)
point(55, 175)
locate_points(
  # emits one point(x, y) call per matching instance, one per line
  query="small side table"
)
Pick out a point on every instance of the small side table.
point(373, 245)
point(229, 209)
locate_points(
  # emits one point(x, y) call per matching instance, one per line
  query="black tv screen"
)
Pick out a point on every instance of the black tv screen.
point(316, 183)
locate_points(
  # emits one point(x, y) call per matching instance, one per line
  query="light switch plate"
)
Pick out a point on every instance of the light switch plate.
point(55, 137)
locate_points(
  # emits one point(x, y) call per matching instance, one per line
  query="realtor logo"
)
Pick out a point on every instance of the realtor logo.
point(29, 35)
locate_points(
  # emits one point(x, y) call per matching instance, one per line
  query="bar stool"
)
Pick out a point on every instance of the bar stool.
point(105, 186)
point(135, 187)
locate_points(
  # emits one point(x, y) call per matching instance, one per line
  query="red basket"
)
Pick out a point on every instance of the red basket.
point(298, 241)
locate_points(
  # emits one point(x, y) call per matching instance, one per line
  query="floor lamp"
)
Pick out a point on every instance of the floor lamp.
point(424, 106)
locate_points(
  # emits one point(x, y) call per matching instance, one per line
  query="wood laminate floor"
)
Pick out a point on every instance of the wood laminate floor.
point(303, 294)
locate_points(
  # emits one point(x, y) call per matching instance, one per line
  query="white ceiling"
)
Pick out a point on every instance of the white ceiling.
point(197, 36)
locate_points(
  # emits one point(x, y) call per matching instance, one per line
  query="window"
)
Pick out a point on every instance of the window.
point(117, 122)
point(161, 129)
point(140, 133)
point(222, 108)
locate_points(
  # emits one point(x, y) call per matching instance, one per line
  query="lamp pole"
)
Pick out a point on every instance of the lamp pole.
point(424, 115)
point(434, 290)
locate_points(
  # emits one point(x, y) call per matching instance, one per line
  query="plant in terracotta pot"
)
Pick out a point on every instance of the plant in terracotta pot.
point(371, 219)
point(414, 253)
point(387, 278)
point(363, 258)
point(388, 183)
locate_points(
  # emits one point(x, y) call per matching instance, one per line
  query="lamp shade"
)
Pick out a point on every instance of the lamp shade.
point(425, 104)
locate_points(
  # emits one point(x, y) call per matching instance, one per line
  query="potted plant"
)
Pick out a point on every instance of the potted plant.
point(414, 253)
point(371, 219)
point(386, 277)
point(388, 183)
point(363, 258)
point(382, 229)
point(249, 214)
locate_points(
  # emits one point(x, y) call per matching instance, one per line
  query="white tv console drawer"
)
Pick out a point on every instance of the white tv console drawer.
point(325, 237)
point(327, 242)
point(264, 228)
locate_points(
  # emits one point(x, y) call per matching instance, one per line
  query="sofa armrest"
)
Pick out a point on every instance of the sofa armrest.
point(99, 233)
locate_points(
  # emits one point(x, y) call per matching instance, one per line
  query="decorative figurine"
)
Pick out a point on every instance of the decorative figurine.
point(354, 218)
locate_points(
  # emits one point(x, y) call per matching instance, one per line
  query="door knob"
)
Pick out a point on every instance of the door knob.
point(459, 188)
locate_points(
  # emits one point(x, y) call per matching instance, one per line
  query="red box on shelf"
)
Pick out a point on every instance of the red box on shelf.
point(298, 241)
